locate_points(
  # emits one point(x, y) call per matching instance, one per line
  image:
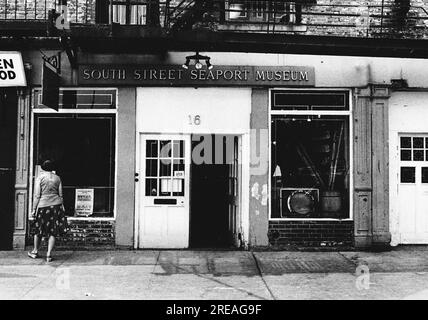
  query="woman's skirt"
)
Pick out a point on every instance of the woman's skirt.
point(50, 221)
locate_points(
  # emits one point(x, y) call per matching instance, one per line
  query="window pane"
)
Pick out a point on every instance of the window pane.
point(165, 168)
point(418, 155)
point(178, 168)
point(426, 143)
point(405, 142)
point(151, 168)
point(406, 155)
point(425, 175)
point(151, 187)
point(418, 142)
point(165, 187)
point(178, 149)
point(295, 100)
point(407, 175)
point(178, 187)
point(151, 148)
point(165, 151)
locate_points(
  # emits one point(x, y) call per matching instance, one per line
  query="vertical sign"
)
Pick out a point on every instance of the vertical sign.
point(51, 81)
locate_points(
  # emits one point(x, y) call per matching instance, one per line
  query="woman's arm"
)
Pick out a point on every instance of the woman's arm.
point(60, 191)
point(37, 194)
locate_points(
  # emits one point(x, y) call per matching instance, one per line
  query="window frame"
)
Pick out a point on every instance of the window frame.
point(35, 111)
point(346, 113)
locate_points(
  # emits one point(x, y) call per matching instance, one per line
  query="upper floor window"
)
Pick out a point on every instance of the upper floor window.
point(129, 11)
point(287, 12)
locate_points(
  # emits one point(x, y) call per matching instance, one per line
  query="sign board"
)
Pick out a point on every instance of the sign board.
point(84, 204)
point(173, 75)
point(50, 86)
point(12, 73)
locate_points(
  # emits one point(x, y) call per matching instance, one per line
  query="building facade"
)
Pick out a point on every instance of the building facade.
point(320, 143)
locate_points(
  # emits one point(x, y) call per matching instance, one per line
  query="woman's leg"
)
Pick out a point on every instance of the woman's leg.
point(51, 244)
point(36, 243)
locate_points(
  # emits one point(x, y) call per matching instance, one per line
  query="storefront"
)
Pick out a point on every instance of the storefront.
point(12, 79)
point(260, 150)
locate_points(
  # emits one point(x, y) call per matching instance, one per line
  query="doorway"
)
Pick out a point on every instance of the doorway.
point(214, 191)
point(413, 188)
point(8, 130)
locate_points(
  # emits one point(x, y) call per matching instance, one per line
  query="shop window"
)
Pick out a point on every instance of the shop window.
point(82, 148)
point(80, 140)
point(310, 165)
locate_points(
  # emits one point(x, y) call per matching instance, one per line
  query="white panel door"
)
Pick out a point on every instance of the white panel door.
point(164, 191)
point(413, 188)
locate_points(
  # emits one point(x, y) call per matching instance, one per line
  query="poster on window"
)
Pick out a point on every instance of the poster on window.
point(84, 205)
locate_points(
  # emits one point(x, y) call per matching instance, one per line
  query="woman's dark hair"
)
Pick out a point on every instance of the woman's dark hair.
point(47, 165)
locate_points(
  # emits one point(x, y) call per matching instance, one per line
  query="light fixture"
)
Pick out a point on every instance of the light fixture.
point(198, 65)
point(209, 65)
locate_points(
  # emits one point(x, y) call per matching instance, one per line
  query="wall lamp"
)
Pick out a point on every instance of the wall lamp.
point(198, 65)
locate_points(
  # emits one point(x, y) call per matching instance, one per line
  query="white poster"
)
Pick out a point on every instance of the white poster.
point(84, 205)
point(12, 70)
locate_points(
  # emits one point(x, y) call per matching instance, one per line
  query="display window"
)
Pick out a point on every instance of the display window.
point(82, 147)
point(310, 155)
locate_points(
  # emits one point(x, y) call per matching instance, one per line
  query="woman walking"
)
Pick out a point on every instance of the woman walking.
point(48, 210)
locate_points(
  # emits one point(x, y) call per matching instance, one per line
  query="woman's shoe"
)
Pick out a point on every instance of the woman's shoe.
point(33, 254)
point(48, 259)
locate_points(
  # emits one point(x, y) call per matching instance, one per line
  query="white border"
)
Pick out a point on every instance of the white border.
point(312, 112)
point(74, 111)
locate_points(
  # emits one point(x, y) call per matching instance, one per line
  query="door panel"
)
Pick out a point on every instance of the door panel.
point(164, 191)
point(413, 188)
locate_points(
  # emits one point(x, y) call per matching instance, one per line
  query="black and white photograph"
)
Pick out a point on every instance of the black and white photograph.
point(212, 158)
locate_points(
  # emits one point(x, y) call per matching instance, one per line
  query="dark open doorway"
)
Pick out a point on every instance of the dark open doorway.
point(8, 127)
point(214, 191)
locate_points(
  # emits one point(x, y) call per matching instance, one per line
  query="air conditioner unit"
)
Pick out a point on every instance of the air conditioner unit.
point(298, 202)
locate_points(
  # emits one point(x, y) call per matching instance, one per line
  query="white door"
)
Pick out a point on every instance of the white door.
point(164, 191)
point(413, 188)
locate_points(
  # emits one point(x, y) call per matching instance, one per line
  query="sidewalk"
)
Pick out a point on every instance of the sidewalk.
point(398, 274)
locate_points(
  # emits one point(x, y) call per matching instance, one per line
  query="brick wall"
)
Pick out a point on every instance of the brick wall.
point(86, 234)
point(311, 233)
point(358, 23)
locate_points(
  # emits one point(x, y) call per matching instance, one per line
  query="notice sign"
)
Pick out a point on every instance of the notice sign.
point(12, 72)
point(84, 205)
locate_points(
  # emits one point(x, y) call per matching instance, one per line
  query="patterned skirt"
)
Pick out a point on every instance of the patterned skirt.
point(50, 221)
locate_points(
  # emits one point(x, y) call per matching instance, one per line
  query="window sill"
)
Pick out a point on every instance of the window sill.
point(257, 27)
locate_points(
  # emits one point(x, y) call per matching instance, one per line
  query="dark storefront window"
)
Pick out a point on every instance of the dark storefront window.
point(82, 147)
point(310, 164)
